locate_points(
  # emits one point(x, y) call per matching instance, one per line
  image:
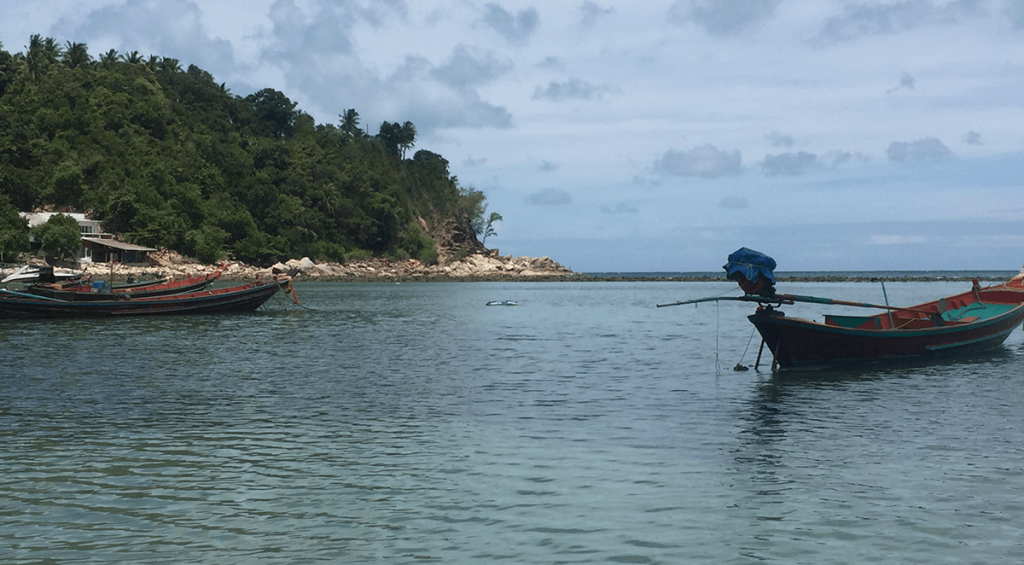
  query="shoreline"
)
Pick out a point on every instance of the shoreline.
point(488, 267)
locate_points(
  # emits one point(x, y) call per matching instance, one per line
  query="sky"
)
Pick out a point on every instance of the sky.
point(625, 136)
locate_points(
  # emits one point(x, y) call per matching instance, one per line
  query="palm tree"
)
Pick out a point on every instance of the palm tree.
point(109, 59)
point(40, 54)
point(169, 65)
point(133, 58)
point(76, 55)
point(350, 123)
point(406, 137)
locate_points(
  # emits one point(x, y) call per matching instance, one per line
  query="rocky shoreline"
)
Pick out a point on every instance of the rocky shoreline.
point(475, 267)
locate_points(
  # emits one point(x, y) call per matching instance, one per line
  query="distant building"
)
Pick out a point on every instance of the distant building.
point(96, 246)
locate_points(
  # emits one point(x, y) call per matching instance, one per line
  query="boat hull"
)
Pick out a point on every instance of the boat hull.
point(83, 293)
point(796, 342)
point(234, 299)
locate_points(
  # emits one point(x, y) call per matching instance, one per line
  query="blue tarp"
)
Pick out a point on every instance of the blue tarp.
point(751, 264)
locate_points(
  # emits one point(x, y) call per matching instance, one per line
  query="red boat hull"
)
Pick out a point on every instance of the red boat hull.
point(796, 342)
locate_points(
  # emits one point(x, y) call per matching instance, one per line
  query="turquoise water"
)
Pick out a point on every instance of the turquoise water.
point(409, 423)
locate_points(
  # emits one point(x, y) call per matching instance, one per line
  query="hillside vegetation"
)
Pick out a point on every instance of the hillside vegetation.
point(169, 158)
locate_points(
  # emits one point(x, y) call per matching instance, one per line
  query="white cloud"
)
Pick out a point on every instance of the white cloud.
point(863, 19)
point(706, 161)
point(788, 164)
point(469, 67)
point(723, 17)
point(881, 239)
point(572, 89)
point(907, 82)
point(927, 149)
point(515, 28)
point(591, 13)
point(549, 197)
point(620, 208)
point(734, 202)
point(972, 138)
point(777, 139)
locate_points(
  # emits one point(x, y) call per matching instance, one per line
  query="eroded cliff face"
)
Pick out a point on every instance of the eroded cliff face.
point(454, 239)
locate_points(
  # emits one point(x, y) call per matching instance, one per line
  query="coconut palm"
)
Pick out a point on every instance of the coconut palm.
point(76, 55)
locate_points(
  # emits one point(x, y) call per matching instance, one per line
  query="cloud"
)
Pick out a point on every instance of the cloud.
point(869, 18)
point(788, 164)
point(620, 208)
point(548, 197)
point(722, 17)
point(927, 149)
point(551, 63)
point(514, 28)
point(1014, 12)
point(706, 161)
point(470, 67)
point(573, 89)
point(777, 139)
point(972, 138)
point(168, 29)
point(591, 13)
point(906, 82)
point(471, 162)
point(835, 158)
point(885, 239)
point(416, 94)
point(734, 202)
point(548, 167)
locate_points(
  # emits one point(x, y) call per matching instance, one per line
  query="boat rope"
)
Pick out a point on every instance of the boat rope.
point(972, 307)
point(739, 366)
point(718, 325)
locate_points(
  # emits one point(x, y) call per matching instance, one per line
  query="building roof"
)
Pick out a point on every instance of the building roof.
point(118, 244)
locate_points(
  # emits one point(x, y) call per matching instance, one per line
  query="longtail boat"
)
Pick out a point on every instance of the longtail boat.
point(41, 273)
point(84, 291)
point(241, 298)
point(979, 318)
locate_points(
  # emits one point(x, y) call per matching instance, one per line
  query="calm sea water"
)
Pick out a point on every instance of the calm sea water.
point(409, 423)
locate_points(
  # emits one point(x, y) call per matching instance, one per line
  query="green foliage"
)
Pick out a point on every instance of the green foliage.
point(489, 228)
point(13, 230)
point(419, 245)
point(170, 158)
point(60, 238)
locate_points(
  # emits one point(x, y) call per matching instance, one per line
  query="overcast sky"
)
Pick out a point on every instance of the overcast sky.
point(650, 136)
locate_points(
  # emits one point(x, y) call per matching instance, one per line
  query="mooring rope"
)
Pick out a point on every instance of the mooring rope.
point(718, 325)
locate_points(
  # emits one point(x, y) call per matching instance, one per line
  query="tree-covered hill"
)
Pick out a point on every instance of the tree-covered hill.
point(170, 158)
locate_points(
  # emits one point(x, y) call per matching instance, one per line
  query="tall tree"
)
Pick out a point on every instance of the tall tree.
point(75, 55)
point(13, 230)
point(406, 137)
point(275, 111)
point(350, 123)
point(60, 238)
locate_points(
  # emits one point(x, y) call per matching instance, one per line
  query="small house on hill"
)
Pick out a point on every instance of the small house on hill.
point(96, 246)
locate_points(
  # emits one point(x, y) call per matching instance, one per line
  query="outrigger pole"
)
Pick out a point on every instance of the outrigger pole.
point(790, 299)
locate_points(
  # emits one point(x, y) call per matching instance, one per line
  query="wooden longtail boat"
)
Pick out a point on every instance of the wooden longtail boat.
point(232, 299)
point(84, 292)
point(976, 319)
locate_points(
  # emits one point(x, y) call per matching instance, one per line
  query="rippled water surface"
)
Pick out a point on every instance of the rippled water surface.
point(410, 423)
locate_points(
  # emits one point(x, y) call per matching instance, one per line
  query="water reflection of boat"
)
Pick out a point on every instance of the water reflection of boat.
point(976, 319)
point(241, 298)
